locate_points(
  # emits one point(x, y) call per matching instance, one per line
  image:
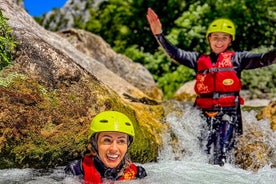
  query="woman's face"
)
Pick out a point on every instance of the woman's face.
point(219, 42)
point(112, 147)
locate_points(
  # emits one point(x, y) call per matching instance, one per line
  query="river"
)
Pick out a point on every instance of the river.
point(174, 166)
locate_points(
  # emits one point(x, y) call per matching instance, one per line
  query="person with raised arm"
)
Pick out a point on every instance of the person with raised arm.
point(218, 82)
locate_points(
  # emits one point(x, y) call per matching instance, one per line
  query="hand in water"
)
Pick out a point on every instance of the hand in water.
point(155, 24)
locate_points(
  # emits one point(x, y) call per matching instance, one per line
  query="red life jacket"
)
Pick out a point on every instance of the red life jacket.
point(217, 85)
point(92, 176)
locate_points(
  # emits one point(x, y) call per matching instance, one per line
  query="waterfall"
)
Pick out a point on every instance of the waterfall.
point(183, 140)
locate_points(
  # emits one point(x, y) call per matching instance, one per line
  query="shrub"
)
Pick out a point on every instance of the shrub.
point(7, 42)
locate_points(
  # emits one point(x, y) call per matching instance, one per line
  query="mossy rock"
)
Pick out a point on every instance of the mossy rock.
point(48, 127)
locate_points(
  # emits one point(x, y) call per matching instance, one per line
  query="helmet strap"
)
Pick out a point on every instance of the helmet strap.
point(94, 143)
point(129, 140)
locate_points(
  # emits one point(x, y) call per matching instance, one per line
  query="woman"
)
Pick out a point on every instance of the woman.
point(217, 81)
point(110, 135)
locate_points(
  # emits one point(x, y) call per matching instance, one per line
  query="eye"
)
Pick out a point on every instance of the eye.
point(122, 141)
point(215, 38)
point(106, 141)
point(224, 38)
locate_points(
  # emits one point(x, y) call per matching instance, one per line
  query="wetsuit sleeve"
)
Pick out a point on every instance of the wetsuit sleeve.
point(178, 55)
point(74, 168)
point(141, 172)
point(249, 60)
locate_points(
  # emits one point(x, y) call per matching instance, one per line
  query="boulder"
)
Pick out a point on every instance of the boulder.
point(186, 92)
point(252, 151)
point(269, 112)
point(95, 47)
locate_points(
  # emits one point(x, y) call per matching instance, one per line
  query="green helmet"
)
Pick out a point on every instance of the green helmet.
point(111, 121)
point(222, 25)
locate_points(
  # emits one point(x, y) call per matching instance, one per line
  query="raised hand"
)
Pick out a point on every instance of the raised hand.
point(154, 22)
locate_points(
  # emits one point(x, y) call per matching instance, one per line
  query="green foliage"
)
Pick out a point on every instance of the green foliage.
point(5, 81)
point(261, 81)
point(190, 28)
point(123, 23)
point(169, 76)
point(7, 42)
point(172, 81)
point(93, 24)
point(111, 15)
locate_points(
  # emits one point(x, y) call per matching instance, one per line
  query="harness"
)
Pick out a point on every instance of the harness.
point(92, 176)
point(217, 85)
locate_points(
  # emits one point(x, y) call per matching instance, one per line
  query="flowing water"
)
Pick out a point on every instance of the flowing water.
point(181, 162)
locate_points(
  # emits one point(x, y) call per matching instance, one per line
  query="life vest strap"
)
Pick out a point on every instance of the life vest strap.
point(210, 70)
point(217, 95)
point(210, 103)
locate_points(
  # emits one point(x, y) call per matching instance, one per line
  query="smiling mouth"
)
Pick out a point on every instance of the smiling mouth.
point(219, 47)
point(112, 157)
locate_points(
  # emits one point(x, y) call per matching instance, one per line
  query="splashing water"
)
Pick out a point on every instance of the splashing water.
point(181, 161)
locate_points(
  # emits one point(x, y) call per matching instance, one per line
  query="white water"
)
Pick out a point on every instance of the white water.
point(175, 166)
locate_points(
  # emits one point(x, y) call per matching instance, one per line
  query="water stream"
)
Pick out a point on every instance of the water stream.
point(183, 162)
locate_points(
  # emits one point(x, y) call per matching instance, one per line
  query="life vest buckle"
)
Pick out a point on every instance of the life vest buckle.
point(212, 114)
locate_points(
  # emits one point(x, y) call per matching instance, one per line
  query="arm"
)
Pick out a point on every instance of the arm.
point(179, 56)
point(141, 172)
point(249, 60)
point(74, 168)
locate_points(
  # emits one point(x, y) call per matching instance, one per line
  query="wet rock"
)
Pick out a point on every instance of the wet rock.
point(270, 113)
point(252, 152)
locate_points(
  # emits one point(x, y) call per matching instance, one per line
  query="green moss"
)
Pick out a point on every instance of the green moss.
point(6, 80)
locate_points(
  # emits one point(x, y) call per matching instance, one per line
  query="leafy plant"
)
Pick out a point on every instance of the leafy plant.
point(7, 42)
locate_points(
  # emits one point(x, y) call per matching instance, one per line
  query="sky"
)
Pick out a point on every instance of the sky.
point(39, 7)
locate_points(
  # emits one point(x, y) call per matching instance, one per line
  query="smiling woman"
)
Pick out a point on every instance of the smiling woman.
point(39, 7)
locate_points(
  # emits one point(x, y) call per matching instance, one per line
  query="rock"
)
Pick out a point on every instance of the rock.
point(252, 152)
point(269, 112)
point(96, 48)
point(186, 92)
point(257, 102)
point(65, 16)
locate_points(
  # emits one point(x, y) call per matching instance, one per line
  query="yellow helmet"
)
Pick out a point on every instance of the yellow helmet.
point(222, 25)
point(111, 121)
